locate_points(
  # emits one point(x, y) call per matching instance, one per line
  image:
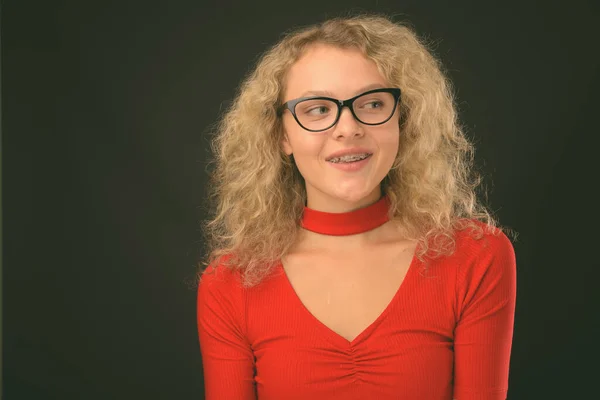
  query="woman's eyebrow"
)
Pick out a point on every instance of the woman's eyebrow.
point(317, 93)
point(330, 94)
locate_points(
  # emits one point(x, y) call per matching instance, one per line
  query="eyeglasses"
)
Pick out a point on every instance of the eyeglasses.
point(316, 114)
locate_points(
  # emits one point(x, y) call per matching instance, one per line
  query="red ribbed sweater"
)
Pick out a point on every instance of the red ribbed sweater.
point(446, 334)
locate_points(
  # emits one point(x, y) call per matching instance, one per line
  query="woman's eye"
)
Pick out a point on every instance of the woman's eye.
point(374, 104)
point(320, 110)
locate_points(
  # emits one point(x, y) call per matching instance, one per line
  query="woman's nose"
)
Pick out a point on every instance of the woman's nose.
point(347, 125)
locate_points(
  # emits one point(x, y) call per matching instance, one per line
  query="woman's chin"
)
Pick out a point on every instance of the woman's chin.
point(356, 195)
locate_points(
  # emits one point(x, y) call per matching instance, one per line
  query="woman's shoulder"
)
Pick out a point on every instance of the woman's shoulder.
point(483, 247)
point(220, 291)
point(486, 270)
point(219, 275)
point(478, 235)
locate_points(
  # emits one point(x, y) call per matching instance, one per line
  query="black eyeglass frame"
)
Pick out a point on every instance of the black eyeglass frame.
point(291, 106)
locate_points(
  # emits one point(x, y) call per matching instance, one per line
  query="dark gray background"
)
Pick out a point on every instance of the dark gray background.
point(106, 107)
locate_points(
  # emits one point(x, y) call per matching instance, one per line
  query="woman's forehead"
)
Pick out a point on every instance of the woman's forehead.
point(331, 71)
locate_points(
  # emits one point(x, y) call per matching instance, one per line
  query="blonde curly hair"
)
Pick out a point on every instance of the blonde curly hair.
point(259, 194)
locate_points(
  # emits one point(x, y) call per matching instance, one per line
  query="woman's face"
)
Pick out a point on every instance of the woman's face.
point(342, 74)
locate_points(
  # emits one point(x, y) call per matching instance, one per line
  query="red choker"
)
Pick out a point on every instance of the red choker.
point(347, 223)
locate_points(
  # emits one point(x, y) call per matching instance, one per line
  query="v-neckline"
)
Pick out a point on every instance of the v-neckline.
point(335, 337)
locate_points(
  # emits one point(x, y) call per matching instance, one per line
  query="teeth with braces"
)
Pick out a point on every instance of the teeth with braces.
point(354, 157)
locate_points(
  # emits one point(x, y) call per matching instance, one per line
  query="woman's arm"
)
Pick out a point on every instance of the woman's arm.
point(483, 335)
point(227, 358)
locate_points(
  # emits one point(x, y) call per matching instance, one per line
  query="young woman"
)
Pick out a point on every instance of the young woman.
point(349, 257)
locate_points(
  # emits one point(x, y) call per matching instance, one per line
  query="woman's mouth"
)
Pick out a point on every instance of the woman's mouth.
point(350, 163)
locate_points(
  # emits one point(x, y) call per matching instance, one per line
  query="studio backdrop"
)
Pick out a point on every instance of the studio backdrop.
point(107, 110)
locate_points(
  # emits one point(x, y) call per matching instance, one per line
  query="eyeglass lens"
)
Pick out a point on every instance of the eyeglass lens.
point(320, 114)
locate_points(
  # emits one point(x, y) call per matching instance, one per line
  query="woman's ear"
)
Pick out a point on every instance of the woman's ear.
point(285, 145)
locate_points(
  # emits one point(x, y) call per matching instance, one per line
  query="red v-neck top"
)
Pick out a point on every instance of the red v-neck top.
point(446, 334)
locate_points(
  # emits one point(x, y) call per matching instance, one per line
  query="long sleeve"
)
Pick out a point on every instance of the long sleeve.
point(227, 358)
point(486, 297)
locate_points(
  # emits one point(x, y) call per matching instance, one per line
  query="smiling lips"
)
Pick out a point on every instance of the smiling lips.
point(359, 152)
point(351, 166)
point(350, 158)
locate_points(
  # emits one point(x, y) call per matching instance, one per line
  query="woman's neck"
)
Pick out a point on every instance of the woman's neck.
point(311, 241)
point(319, 201)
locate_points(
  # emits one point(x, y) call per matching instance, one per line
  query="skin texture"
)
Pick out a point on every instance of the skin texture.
point(339, 73)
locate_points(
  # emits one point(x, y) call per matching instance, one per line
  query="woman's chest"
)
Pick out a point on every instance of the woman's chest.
point(406, 348)
point(414, 359)
point(348, 293)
